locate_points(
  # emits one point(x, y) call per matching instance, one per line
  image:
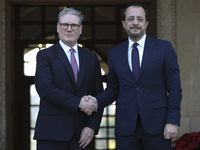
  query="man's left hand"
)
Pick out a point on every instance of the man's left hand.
point(87, 135)
point(170, 130)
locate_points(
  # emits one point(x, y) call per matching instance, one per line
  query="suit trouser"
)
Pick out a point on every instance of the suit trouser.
point(72, 144)
point(141, 140)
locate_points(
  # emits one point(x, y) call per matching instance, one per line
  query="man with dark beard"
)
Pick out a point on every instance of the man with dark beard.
point(144, 78)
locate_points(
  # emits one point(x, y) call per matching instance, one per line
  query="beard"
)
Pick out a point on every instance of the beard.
point(133, 35)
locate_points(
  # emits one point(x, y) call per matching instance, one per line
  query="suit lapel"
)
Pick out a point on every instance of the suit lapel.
point(82, 66)
point(149, 44)
point(124, 55)
point(148, 47)
point(64, 60)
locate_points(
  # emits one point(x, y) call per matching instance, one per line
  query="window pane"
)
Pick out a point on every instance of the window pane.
point(111, 109)
point(51, 13)
point(108, 32)
point(104, 67)
point(32, 142)
point(102, 133)
point(86, 32)
point(29, 68)
point(101, 144)
point(104, 13)
point(30, 61)
point(31, 32)
point(111, 132)
point(30, 13)
point(111, 121)
point(104, 121)
point(30, 57)
point(34, 96)
point(112, 144)
point(51, 32)
point(34, 113)
point(104, 87)
point(103, 48)
point(105, 109)
point(86, 11)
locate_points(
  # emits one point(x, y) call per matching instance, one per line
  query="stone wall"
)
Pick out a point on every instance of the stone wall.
point(178, 22)
point(2, 75)
point(188, 51)
point(166, 21)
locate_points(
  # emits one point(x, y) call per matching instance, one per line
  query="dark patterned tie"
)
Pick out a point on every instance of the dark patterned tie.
point(135, 61)
point(74, 64)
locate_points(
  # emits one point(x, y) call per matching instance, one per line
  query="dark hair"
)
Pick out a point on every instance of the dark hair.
point(135, 5)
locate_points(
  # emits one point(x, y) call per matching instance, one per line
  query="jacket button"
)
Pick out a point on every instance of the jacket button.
point(137, 88)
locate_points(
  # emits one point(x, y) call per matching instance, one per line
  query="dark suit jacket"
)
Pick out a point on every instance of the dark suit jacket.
point(59, 116)
point(156, 95)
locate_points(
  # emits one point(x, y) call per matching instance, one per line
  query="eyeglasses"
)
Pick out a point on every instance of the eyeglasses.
point(65, 26)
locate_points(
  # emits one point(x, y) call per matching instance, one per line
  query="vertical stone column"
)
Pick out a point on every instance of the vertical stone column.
point(2, 76)
point(166, 21)
point(177, 22)
point(188, 46)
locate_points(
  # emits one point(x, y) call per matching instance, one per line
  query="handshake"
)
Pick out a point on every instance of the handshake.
point(88, 104)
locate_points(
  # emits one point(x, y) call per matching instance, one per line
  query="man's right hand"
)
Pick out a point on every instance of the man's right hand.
point(88, 104)
point(94, 100)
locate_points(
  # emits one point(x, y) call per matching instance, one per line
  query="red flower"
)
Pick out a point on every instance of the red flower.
point(187, 142)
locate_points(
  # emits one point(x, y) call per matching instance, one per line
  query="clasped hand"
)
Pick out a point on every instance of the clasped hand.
point(88, 104)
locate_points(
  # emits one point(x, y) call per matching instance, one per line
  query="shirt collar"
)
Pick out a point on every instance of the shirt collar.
point(67, 48)
point(141, 42)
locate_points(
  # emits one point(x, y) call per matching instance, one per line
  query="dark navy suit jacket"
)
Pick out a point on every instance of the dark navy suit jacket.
point(156, 95)
point(59, 117)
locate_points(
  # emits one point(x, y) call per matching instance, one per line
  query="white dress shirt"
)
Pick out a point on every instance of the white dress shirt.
point(140, 47)
point(68, 53)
